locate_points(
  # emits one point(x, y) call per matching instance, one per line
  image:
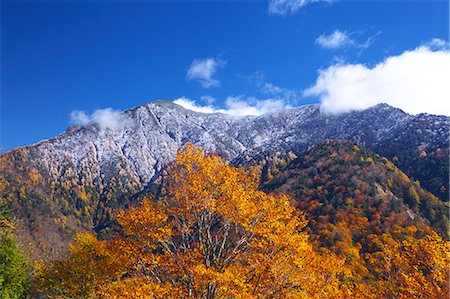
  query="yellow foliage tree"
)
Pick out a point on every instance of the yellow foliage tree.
point(413, 268)
point(213, 234)
point(90, 264)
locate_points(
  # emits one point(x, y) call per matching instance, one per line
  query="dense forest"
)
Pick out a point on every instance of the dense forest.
point(336, 222)
point(363, 208)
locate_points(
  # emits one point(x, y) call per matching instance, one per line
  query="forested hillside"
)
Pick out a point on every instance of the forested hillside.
point(366, 210)
point(212, 234)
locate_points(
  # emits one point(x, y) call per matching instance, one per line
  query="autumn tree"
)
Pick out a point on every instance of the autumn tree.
point(411, 268)
point(89, 264)
point(213, 234)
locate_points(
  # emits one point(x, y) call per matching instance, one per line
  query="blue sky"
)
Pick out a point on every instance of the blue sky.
point(59, 57)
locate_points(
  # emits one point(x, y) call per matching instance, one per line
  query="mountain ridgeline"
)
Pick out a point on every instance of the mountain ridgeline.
point(81, 178)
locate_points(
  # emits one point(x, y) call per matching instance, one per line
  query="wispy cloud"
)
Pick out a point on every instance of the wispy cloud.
point(285, 7)
point(415, 81)
point(369, 41)
point(342, 39)
point(238, 105)
point(105, 118)
point(208, 99)
point(337, 39)
point(270, 89)
point(437, 44)
point(79, 117)
point(203, 71)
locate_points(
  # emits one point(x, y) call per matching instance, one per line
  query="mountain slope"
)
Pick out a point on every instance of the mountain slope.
point(366, 210)
point(77, 179)
point(338, 176)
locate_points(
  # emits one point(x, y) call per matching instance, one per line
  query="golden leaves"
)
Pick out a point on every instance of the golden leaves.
point(213, 233)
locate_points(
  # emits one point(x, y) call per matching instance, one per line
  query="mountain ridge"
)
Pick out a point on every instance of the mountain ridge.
point(82, 176)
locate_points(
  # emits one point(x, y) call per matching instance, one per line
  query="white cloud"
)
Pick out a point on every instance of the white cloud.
point(337, 39)
point(105, 118)
point(109, 118)
point(192, 105)
point(239, 106)
point(284, 7)
point(203, 71)
point(252, 106)
point(79, 117)
point(415, 81)
point(342, 39)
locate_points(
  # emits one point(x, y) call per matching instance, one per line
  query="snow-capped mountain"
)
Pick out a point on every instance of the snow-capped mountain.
point(94, 169)
point(152, 134)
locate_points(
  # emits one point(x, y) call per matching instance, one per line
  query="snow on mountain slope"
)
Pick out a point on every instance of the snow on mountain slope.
point(153, 133)
point(83, 175)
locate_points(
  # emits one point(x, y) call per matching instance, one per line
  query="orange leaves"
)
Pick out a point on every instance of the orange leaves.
point(89, 264)
point(413, 268)
point(223, 237)
point(211, 234)
point(197, 182)
point(148, 223)
point(137, 287)
point(34, 177)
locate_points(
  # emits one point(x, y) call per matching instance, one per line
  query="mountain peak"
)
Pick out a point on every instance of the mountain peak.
point(166, 104)
point(385, 107)
point(112, 164)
